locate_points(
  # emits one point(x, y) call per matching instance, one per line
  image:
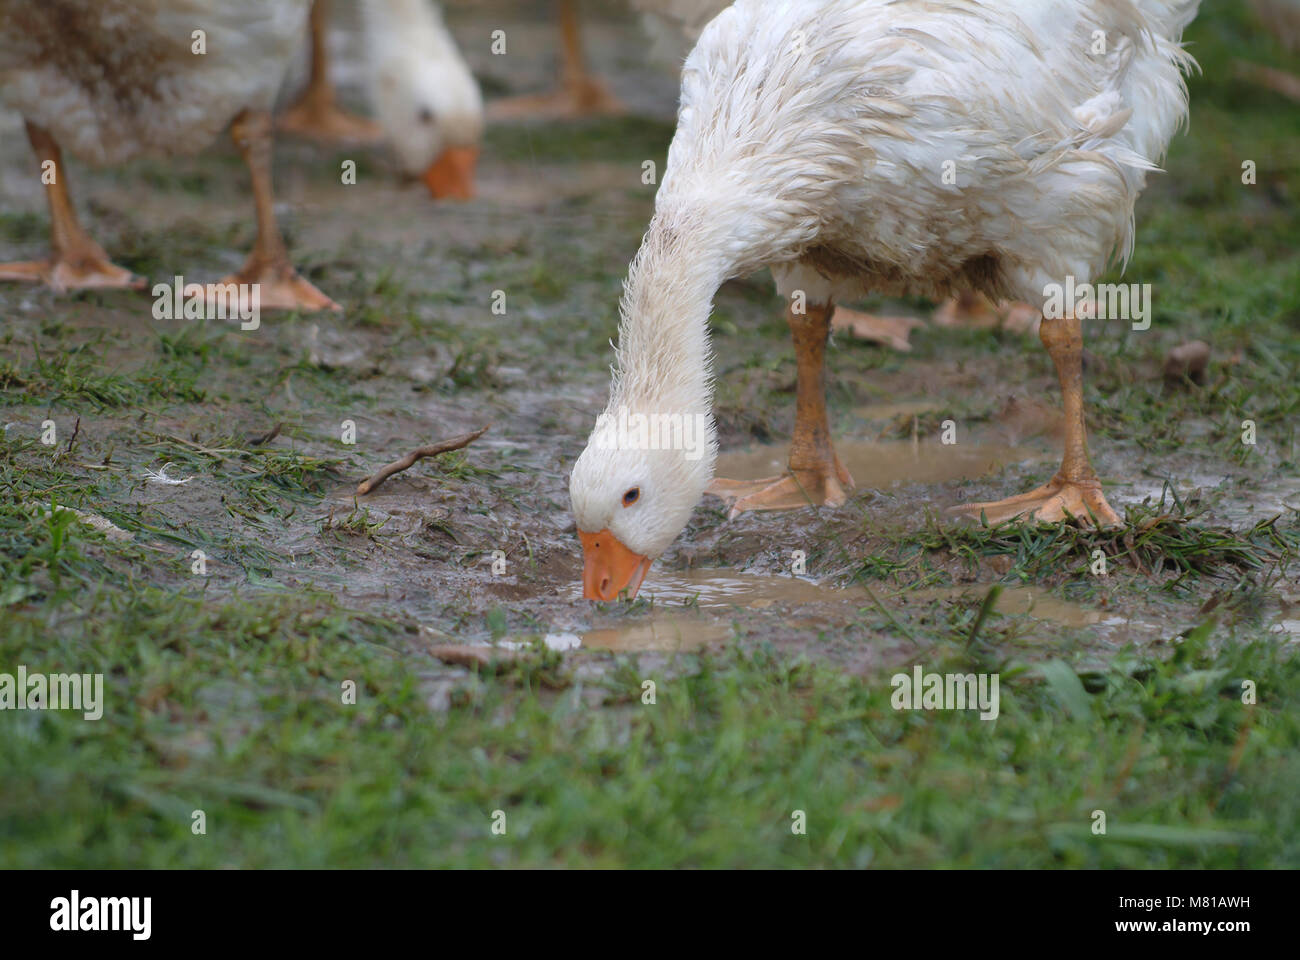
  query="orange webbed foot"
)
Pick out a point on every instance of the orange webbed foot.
point(282, 288)
point(790, 491)
point(90, 271)
point(1053, 502)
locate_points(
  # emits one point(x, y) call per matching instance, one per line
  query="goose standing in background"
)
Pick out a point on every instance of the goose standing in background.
point(112, 79)
point(420, 88)
point(812, 138)
point(424, 95)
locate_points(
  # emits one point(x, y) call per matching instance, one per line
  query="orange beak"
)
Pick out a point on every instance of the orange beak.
point(609, 568)
point(452, 174)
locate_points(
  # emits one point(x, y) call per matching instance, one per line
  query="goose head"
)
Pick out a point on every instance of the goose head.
point(434, 128)
point(633, 490)
point(425, 98)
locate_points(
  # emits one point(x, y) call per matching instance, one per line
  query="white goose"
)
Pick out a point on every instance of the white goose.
point(812, 139)
point(424, 95)
point(110, 79)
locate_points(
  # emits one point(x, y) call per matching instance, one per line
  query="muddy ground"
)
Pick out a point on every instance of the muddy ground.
point(418, 354)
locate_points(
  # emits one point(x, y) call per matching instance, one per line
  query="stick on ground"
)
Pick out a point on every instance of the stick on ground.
point(258, 439)
point(397, 466)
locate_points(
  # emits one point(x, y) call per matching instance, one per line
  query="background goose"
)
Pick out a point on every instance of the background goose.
point(419, 86)
point(111, 79)
point(424, 95)
point(812, 139)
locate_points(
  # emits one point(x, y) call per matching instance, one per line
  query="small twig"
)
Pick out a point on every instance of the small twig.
point(1234, 760)
point(76, 429)
point(397, 466)
point(258, 439)
point(1130, 758)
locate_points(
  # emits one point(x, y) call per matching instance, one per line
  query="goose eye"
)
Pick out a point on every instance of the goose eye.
point(425, 115)
point(631, 496)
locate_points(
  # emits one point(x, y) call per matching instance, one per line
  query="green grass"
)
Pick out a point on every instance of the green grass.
point(235, 709)
point(1161, 542)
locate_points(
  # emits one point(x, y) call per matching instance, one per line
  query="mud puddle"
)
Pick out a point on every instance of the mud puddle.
point(682, 602)
point(715, 588)
point(678, 619)
point(889, 463)
point(1027, 601)
point(1252, 499)
point(664, 633)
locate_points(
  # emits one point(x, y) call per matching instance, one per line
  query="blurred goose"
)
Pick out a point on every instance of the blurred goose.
point(812, 139)
point(109, 81)
point(421, 89)
point(424, 95)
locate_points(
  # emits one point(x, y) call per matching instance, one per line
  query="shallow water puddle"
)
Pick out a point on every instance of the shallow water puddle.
point(1240, 506)
point(660, 633)
point(888, 463)
point(727, 588)
point(1028, 601)
point(670, 624)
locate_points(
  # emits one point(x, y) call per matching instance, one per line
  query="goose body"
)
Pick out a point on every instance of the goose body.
point(112, 79)
point(822, 139)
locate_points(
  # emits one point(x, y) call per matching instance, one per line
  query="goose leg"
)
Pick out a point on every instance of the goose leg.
point(1075, 490)
point(76, 262)
point(580, 94)
point(815, 474)
point(316, 112)
point(268, 265)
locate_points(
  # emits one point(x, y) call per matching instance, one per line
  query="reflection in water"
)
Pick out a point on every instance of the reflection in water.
point(680, 620)
point(676, 621)
point(726, 588)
